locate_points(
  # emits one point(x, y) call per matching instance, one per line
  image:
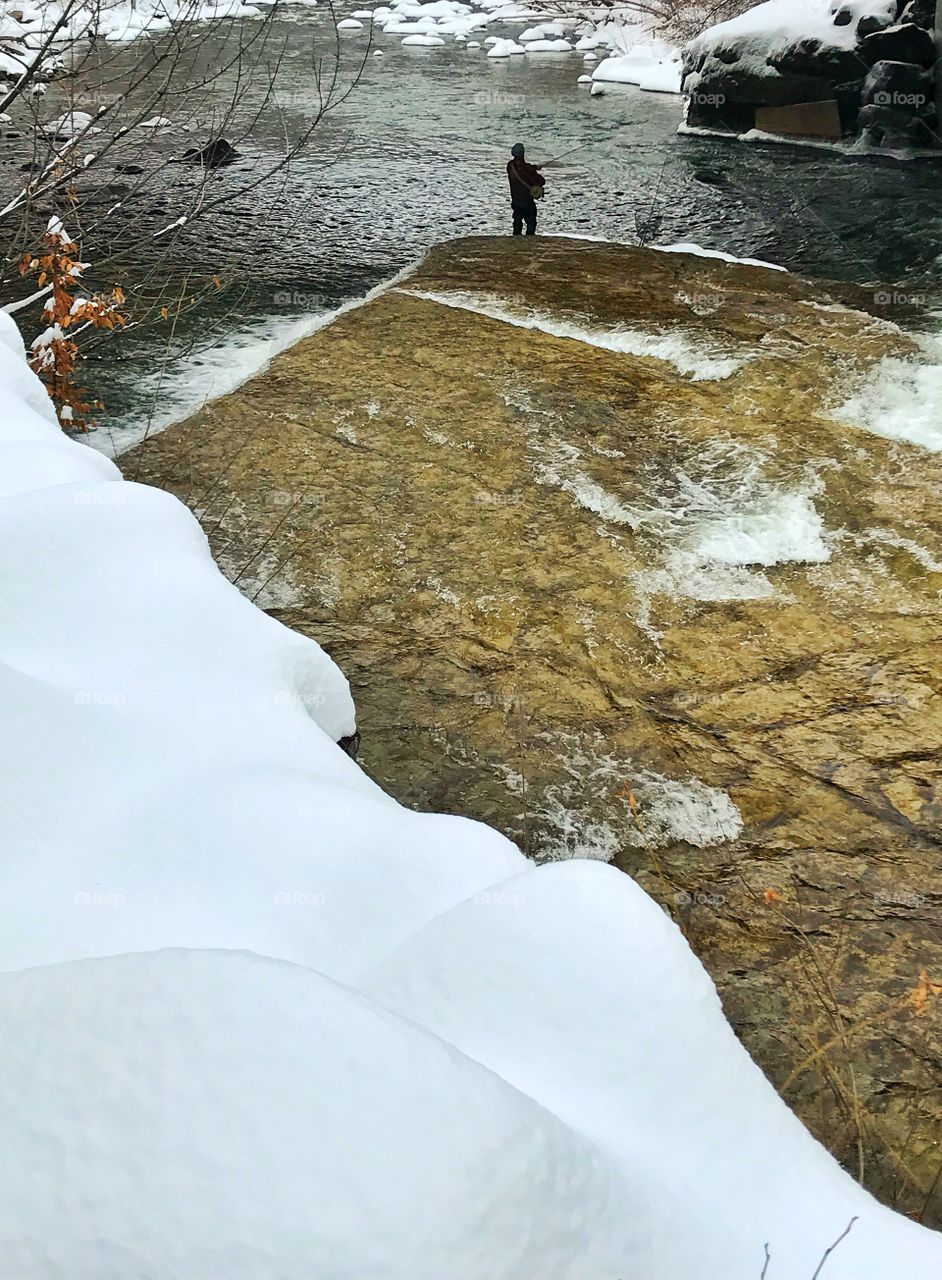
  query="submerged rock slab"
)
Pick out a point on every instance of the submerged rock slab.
point(605, 571)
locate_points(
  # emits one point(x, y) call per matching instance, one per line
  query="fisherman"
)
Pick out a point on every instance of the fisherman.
point(526, 187)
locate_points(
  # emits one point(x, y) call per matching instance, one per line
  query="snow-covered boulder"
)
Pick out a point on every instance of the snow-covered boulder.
point(648, 66)
point(549, 46)
point(786, 54)
point(69, 125)
point(503, 48)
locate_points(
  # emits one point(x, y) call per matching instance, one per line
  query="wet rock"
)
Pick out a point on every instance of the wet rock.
point(892, 127)
point(814, 60)
point(746, 84)
point(920, 12)
point(543, 565)
point(901, 85)
point(213, 155)
point(711, 177)
point(869, 24)
point(905, 43)
point(848, 99)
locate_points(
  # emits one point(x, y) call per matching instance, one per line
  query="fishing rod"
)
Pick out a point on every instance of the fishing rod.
point(502, 146)
point(572, 150)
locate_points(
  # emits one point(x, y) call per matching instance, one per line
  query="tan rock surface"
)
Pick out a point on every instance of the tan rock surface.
point(515, 544)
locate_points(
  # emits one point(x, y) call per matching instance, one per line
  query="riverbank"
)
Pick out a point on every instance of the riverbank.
point(607, 568)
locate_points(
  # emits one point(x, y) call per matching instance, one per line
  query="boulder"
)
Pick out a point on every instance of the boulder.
point(903, 43)
point(920, 12)
point(901, 85)
point(888, 127)
point(811, 58)
point(806, 120)
point(743, 83)
point(869, 24)
point(215, 154)
point(847, 97)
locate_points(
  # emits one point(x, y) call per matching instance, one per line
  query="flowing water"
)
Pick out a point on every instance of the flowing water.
point(416, 154)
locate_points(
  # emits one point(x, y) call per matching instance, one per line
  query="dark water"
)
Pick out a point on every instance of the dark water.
point(417, 154)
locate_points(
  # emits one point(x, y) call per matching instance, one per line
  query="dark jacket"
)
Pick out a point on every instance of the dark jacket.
point(522, 177)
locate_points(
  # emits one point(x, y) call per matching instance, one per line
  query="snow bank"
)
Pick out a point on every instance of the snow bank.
point(259, 1019)
point(686, 353)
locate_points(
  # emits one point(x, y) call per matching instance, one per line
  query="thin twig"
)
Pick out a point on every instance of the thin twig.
point(831, 1247)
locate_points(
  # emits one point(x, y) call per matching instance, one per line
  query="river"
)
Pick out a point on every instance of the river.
point(416, 154)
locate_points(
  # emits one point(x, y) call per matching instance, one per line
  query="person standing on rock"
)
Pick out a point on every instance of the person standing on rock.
point(526, 187)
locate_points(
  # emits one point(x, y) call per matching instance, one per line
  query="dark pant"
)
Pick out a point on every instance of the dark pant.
point(527, 214)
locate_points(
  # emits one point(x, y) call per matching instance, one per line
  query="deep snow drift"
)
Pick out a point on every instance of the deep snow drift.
point(258, 1019)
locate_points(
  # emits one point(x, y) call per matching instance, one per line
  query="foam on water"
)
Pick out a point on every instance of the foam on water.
point(559, 468)
point(718, 520)
point(586, 814)
point(687, 353)
point(901, 399)
point(724, 551)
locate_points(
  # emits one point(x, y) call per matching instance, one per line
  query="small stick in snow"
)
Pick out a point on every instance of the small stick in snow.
point(831, 1247)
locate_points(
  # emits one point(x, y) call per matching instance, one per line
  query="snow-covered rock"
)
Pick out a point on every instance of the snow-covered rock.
point(70, 124)
point(548, 46)
point(787, 54)
point(644, 67)
point(504, 48)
